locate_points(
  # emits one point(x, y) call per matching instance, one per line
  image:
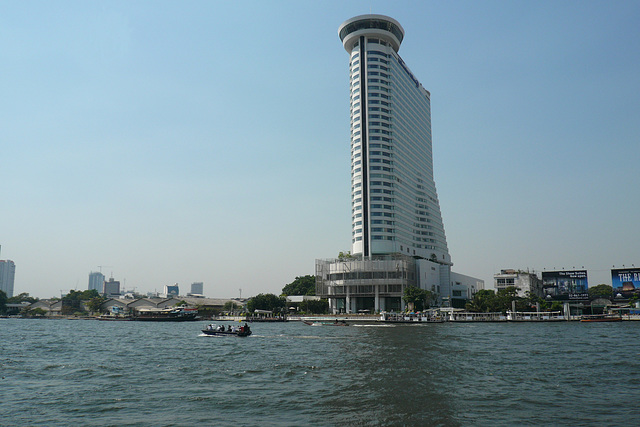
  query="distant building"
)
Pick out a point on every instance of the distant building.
point(171, 290)
point(7, 276)
point(96, 281)
point(197, 288)
point(111, 288)
point(523, 281)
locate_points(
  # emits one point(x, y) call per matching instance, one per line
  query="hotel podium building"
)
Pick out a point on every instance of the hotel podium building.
point(397, 232)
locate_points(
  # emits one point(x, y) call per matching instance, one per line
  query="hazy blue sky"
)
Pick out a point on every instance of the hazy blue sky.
point(209, 141)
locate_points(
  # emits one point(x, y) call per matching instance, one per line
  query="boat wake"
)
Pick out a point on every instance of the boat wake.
point(384, 325)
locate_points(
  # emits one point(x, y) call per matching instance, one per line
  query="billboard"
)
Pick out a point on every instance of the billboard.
point(625, 281)
point(565, 284)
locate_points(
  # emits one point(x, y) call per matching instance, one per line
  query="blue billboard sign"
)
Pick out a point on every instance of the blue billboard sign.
point(625, 281)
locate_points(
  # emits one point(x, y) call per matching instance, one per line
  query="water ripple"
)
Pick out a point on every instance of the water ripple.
point(102, 374)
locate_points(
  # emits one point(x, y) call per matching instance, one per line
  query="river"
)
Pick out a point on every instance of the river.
point(65, 372)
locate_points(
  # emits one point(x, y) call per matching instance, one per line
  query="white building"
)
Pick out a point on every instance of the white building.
point(96, 281)
point(398, 237)
point(7, 276)
point(395, 206)
point(524, 282)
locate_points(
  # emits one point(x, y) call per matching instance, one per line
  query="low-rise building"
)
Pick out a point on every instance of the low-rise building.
point(375, 284)
point(524, 282)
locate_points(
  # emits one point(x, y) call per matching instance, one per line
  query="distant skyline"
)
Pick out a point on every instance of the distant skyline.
point(209, 141)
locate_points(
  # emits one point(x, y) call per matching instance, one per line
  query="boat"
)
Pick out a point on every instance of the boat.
point(180, 314)
point(335, 323)
point(213, 330)
point(601, 318)
point(535, 316)
point(412, 318)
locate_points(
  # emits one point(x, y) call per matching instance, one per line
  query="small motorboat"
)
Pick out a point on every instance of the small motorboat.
point(242, 331)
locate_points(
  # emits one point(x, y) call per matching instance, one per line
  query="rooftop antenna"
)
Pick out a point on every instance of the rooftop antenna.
point(240, 293)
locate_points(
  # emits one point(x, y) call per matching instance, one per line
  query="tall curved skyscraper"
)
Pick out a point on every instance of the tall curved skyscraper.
point(397, 235)
point(395, 208)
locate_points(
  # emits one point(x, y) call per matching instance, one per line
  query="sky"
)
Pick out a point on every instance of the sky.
point(166, 142)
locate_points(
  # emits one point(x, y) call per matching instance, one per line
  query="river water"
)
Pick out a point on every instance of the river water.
point(66, 372)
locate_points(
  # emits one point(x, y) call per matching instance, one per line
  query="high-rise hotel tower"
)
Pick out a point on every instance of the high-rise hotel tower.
point(397, 235)
point(7, 276)
point(394, 202)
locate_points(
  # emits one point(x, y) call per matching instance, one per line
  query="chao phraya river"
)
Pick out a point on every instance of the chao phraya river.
point(90, 373)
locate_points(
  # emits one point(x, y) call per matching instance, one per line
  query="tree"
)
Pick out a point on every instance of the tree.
point(484, 301)
point(429, 298)
point(71, 303)
point(416, 297)
point(556, 306)
point(268, 302)
point(345, 255)
point(37, 312)
point(230, 306)
point(302, 285)
point(3, 302)
point(315, 306)
point(506, 296)
point(23, 297)
point(600, 291)
point(81, 295)
point(95, 304)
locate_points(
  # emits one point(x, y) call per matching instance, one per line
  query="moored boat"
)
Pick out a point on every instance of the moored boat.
point(413, 318)
point(601, 318)
point(166, 315)
point(112, 318)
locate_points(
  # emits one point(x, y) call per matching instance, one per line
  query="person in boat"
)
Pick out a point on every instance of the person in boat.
point(246, 328)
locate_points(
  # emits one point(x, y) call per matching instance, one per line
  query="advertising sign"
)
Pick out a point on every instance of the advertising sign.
point(565, 284)
point(625, 281)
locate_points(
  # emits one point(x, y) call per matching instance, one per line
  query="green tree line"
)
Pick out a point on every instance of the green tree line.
point(301, 285)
